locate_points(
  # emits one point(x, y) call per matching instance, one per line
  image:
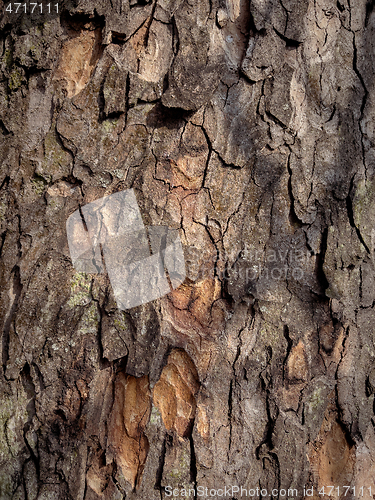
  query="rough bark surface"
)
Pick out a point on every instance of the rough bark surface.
point(249, 125)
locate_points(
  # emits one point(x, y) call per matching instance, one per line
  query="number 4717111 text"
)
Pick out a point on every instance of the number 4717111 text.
point(32, 8)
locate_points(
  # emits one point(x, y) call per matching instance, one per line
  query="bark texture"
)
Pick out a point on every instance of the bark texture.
point(249, 125)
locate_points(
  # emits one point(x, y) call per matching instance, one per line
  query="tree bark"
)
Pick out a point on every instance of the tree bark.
point(248, 126)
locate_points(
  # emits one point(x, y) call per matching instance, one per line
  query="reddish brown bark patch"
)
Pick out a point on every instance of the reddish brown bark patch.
point(130, 415)
point(175, 393)
point(297, 366)
point(78, 59)
point(331, 456)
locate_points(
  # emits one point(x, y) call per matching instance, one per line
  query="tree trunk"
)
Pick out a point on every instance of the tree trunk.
point(248, 126)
